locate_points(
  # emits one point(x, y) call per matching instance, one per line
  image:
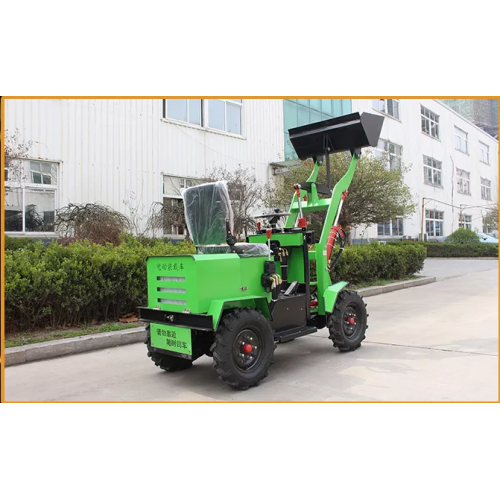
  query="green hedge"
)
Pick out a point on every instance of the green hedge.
point(451, 250)
point(17, 243)
point(58, 285)
point(374, 261)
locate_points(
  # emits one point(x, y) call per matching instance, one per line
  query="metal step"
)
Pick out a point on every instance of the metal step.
point(293, 333)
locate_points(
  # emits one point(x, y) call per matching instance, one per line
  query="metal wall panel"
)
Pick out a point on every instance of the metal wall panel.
point(115, 151)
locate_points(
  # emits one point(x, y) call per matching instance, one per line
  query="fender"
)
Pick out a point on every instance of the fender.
point(218, 306)
point(331, 293)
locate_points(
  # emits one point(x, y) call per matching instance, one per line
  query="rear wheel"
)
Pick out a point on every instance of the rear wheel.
point(243, 348)
point(165, 362)
point(348, 322)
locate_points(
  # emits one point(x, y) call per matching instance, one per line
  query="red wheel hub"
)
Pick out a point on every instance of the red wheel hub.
point(351, 321)
point(247, 348)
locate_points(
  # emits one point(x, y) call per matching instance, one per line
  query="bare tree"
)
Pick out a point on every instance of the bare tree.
point(16, 150)
point(245, 192)
point(94, 222)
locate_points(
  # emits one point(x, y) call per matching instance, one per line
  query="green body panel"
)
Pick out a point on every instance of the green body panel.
point(286, 240)
point(190, 283)
point(171, 338)
point(218, 306)
point(330, 295)
point(205, 284)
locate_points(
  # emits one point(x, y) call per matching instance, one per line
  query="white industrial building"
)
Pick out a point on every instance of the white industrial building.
point(454, 166)
point(132, 153)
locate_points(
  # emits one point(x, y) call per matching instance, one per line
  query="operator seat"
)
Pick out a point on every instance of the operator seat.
point(207, 207)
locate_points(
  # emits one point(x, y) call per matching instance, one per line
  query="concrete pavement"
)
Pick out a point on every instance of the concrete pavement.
point(433, 343)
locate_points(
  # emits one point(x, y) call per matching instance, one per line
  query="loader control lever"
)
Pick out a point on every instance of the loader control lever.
point(302, 220)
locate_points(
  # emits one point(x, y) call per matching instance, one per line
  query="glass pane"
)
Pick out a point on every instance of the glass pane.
point(346, 106)
point(235, 100)
point(46, 168)
point(36, 177)
point(290, 112)
point(194, 111)
point(216, 118)
point(337, 107)
point(13, 209)
point(233, 118)
point(315, 104)
point(47, 179)
point(177, 109)
point(303, 116)
point(316, 116)
point(39, 210)
point(327, 106)
point(34, 166)
point(304, 102)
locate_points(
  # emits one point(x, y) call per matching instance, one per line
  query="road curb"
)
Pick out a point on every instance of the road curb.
point(76, 345)
point(86, 343)
point(378, 290)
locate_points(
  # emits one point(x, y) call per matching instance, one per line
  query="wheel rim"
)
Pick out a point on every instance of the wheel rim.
point(351, 320)
point(247, 349)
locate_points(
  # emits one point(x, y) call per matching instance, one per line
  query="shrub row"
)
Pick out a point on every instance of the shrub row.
point(374, 261)
point(451, 250)
point(68, 285)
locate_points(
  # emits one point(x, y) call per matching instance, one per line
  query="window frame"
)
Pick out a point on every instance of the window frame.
point(486, 189)
point(465, 224)
point(25, 187)
point(390, 225)
point(460, 139)
point(376, 103)
point(430, 121)
point(176, 120)
point(487, 150)
point(205, 116)
point(463, 180)
point(432, 219)
point(392, 156)
point(433, 169)
point(206, 113)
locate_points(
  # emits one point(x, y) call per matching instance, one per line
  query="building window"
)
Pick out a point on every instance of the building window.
point(485, 189)
point(465, 221)
point(484, 153)
point(298, 112)
point(225, 114)
point(432, 171)
point(387, 106)
point(30, 197)
point(461, 142)
point(434, 223)
point(430, 122)
point(392, 151)
point(393, 227)
point(463, 181)
point(184, 110)
point(173, 206)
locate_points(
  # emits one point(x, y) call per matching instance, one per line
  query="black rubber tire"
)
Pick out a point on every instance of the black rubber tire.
point(165, 362)
point(336, 326)
point(232, 324)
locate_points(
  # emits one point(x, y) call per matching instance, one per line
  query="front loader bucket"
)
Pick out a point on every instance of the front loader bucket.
point(345, 133)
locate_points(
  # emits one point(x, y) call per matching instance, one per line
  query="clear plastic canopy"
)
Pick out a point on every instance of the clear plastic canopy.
point(207, 207)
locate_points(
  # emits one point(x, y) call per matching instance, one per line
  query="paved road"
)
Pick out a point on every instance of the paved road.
point(437, 342)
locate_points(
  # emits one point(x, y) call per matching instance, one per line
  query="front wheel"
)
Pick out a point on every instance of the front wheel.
point(243, 348)
point(348, 322)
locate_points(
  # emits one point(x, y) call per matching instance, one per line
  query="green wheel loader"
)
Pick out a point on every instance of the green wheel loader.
point(236, 301)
